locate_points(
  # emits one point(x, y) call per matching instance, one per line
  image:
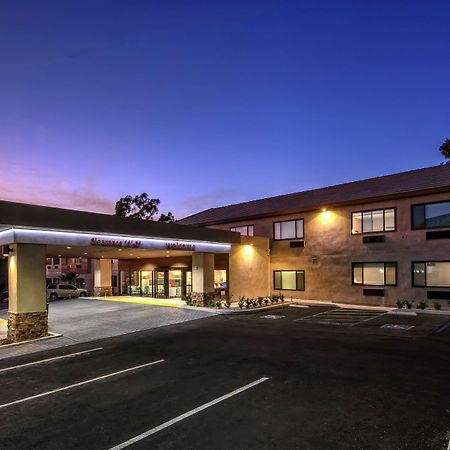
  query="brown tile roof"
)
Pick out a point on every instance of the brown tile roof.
point(402, 184)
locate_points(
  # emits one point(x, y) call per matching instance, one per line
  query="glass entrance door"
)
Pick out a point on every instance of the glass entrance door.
point(161, 283)
point(175, 283)
point(147, 283)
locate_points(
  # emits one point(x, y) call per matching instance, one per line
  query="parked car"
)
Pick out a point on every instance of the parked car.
point(55, 291)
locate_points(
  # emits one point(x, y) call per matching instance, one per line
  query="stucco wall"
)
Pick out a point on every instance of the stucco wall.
point(249, 268)
point(330, 249)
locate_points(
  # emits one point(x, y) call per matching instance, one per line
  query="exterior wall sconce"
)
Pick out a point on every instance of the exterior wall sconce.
point(6, 250)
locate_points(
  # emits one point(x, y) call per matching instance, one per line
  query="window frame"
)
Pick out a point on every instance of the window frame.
point(296, 280)
point(284, 221)
point(384, 274)
point(361, 211)
point(425, 263)
point(243, 226)
point(413, 228)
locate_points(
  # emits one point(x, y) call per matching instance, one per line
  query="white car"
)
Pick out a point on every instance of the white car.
point(55, 291)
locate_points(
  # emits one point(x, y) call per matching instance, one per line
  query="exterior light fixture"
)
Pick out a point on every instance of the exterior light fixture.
point(324, 209)
point(68, 246)
point(6, 250)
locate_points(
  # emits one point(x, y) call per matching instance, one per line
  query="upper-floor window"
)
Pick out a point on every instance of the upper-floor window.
point(431, 274)
point(375, 273)
point(431, 215)
point(289, 229)
point(245, 230)
point(375, 221)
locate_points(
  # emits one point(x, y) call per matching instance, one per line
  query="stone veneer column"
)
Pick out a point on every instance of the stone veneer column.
point(27, 314)
point(202, 278)
point(102, 276)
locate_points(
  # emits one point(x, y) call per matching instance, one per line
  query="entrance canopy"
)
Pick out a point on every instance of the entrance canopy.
point(92, 235)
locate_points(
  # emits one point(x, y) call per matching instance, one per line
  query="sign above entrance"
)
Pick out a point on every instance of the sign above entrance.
point(180, 246)
point(74, 239)
point(128, 243)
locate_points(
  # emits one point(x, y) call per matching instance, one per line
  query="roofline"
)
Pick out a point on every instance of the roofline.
point(320, 206)
point(14, 214)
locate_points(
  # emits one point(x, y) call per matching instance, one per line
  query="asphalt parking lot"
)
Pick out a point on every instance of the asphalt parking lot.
point(262, 381)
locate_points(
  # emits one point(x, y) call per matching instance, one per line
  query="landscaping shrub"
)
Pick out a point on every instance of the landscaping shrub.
point(422, 305)
point(228, 300)
point(437, 306)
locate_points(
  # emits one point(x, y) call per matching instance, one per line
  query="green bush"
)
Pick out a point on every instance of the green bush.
point(403, 304)
point(241, 302)
point(422, 305)
point(437, 306)
point(188, 299)
point(260, 301)
point(266, 300)
point(228, 300)
point(281, 297)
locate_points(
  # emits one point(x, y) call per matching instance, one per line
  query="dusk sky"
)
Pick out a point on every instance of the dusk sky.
point(206, 103)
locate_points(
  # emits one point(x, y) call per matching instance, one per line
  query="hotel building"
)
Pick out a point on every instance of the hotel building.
point(369, 242)
point(373, 241)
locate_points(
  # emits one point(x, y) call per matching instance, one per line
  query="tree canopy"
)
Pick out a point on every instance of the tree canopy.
point(445, 149)
point(141, 207)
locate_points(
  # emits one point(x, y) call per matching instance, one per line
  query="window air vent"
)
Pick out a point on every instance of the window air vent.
point(296, 244)
point(374, 292)
point(373, 239)
point(438, 295)
point(431, 235)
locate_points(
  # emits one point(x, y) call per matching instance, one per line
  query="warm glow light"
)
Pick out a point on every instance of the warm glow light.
point(325, 215)
point(248, 250)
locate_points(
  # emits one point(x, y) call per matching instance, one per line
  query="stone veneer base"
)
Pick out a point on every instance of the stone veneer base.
point(202, 298)
point(26, 326)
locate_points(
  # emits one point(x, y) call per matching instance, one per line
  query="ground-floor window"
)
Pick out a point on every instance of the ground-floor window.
point(375, 274)
point(289, 280)
point(431, 274)
point(220, 282)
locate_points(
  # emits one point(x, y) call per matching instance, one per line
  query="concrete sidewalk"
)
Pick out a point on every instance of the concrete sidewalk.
point(86, 319)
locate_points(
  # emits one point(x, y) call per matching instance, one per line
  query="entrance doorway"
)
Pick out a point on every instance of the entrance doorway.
point(159, 283)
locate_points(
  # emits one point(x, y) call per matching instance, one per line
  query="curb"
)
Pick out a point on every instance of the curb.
point(408, 312)
point(30, 341)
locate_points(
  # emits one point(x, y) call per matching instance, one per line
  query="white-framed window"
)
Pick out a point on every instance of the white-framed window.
point(288, 229)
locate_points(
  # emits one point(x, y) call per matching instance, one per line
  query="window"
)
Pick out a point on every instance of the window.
point(431, 274)
point(289, 280)
point(245, 230)
point(375, 274)
point(114, 282)
point(430, 215)
point(373, 221)
point(290, 229)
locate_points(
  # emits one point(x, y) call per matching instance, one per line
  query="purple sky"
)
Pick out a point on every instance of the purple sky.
point(205, 103)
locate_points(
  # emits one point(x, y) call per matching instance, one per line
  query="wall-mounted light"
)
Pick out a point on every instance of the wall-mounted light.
point(6, 250)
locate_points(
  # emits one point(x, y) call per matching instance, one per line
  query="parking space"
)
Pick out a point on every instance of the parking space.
point(343, 316)
point(229, 382)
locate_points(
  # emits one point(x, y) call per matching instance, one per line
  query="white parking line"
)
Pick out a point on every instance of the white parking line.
point(187, 414)
point(70, 355)
point(71, 386)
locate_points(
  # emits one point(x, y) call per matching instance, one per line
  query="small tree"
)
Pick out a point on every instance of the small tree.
point(445, 149)
point(69, 277)
point(141, 207)
point(168, 218)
